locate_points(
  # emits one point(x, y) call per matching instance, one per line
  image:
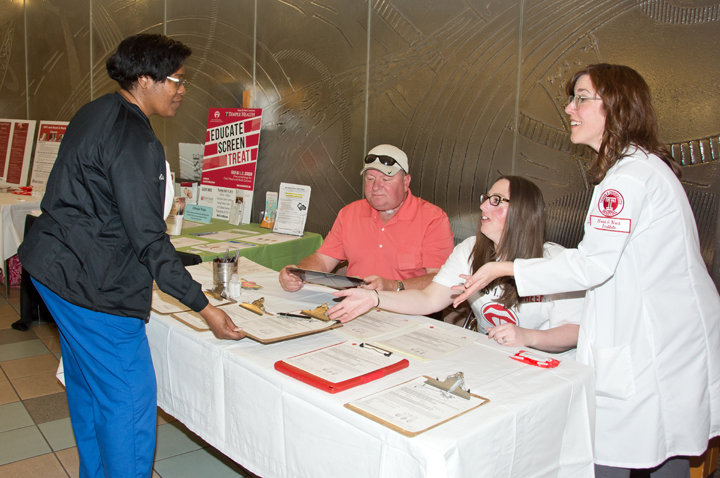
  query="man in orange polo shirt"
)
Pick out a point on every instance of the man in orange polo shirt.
point(392, 239)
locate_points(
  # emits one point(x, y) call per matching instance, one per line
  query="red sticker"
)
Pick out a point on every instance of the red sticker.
point(611, 203)
point(496, 314)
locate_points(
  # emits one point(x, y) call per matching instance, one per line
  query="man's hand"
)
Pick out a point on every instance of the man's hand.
point(221, 324)
point(289, 281)
point(379, 283)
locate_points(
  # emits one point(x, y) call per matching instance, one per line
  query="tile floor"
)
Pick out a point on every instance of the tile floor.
point(36, 439)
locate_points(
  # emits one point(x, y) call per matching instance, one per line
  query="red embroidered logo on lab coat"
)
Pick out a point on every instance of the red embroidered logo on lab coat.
point(611, 203)
point(496, 314)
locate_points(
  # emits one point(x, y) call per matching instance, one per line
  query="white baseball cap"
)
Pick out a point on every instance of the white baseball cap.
point(387, 159)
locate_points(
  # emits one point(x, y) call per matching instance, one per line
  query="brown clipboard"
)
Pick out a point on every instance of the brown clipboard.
point(292, 336)
point(402, 431)
point(182, 308)
point(176, 317)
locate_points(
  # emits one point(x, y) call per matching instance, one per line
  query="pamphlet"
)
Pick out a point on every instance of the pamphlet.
point(240, 210)
point(293, 203)
point(50, 135)
point(222, 201)
point(271, 202)
point(190, 192)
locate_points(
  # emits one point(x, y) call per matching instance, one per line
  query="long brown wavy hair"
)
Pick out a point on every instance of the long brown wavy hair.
point(522, 237)
point(629, 117)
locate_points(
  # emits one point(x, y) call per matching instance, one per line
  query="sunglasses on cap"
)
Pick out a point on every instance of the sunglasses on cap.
point(386, 160)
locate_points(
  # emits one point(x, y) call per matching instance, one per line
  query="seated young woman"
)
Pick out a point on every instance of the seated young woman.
point(512, 227)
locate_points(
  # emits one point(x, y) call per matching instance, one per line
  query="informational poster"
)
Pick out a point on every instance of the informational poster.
point(50, 134)
point(16, 138)
point(231, 148)
point(293, 203)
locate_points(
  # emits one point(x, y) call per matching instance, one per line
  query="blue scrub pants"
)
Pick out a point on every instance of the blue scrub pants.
point(111, 389)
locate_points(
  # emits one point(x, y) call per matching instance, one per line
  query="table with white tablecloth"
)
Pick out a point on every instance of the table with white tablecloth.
point(14, 209)
point(538, 421)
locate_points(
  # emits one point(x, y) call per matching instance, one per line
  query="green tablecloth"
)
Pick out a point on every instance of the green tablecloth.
point(274, 256)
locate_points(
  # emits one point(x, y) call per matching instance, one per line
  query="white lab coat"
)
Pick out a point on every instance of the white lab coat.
point(651, 321)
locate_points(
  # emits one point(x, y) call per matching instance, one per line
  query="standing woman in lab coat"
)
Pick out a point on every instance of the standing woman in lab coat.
point(651, 322)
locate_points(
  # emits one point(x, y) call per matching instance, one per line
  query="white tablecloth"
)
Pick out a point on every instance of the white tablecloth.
point(538, 421)
point(13, 210)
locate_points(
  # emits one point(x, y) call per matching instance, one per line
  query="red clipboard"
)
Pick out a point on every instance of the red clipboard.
point(335, 387)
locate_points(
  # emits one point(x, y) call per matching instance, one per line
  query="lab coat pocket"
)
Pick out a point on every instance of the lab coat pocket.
point(614, 372)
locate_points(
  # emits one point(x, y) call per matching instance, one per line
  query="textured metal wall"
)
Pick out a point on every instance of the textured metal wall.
point(469, 89)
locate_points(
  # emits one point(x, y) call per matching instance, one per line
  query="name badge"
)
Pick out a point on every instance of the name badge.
point(610, 224)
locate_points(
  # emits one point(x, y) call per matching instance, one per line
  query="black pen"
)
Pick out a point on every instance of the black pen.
point(297, 316)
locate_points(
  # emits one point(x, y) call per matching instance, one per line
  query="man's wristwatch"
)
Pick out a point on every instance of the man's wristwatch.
point(401, 286)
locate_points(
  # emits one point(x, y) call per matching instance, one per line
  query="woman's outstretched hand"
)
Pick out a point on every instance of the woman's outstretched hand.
point(480, 279)
point(356, 302)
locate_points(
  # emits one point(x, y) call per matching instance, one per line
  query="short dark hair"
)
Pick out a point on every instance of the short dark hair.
point(145, 54)
point(629, 117)
point(522, 238)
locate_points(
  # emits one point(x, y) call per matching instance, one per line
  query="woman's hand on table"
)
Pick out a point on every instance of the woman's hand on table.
point(356, 303)
point(508, 334)
point(221, 324)
point(289, 281)
point(482, 277)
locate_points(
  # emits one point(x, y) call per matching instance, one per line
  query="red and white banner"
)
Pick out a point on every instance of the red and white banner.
point(231, 148)
point(16, 137)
